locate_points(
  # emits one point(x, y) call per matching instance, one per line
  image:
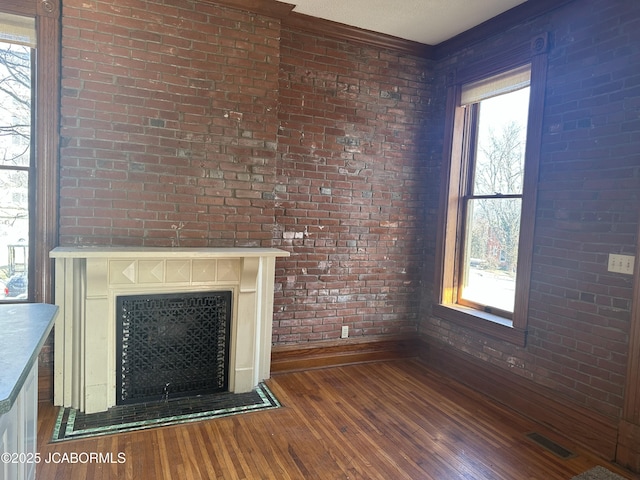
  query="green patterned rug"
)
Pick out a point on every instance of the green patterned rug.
point(72, 424)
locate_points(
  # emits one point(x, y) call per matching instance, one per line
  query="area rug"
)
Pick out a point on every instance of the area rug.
point(72, 424)
point(598, 473)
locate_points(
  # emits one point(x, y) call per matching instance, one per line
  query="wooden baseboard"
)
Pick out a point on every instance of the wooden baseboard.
point(45, 382)
point(587, 428)
point(628, 453)
point(289, 358)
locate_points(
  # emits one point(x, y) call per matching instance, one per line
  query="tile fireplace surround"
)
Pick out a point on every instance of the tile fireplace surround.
point(88, 280)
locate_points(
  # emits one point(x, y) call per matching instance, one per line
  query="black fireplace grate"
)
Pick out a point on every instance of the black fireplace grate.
point(172, 345)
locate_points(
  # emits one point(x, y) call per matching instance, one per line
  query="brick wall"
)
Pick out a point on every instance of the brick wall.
point(168, 124)
point(181, 126)
point(588, 202)
point(350, 142)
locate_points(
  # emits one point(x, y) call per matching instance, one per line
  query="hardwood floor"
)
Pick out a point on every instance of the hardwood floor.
point(387, 420)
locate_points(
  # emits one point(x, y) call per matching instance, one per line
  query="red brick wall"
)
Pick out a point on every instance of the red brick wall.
point(352, 121)
point(168, 124)
point(180, 128)
point(588, 200)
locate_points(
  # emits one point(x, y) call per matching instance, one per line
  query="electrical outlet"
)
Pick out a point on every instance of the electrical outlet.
point(621, 263)
point(345, 331)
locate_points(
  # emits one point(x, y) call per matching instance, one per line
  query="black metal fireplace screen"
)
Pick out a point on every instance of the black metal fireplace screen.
point(172, 345)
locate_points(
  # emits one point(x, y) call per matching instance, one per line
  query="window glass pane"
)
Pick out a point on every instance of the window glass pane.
point(15, 105)
point(15, 163)
point(502, 133)
point(14, 234)
point(491, 252)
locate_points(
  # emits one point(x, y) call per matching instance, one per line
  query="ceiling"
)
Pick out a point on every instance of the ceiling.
point(424, 21)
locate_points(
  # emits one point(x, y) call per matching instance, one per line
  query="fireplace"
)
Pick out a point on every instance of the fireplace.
point(171, 345)
point(90, 283)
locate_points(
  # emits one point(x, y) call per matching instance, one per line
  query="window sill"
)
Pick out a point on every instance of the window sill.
point(482, 322)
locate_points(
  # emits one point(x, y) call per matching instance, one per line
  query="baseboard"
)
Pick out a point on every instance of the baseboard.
point(290, 358)
point(45, 382)
point(628, 453)
point(593, 431)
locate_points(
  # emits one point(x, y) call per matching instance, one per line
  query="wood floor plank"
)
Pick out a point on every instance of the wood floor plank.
point(395, 419)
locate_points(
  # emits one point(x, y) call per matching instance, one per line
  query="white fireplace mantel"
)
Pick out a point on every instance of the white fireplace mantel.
point(88, 280)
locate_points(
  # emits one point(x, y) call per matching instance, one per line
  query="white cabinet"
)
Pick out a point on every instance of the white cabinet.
point(24, 329)
point(18, 432)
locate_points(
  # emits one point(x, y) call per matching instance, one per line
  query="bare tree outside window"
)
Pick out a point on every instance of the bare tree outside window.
point(502, 172)
point(15, 163)
point(15, 104)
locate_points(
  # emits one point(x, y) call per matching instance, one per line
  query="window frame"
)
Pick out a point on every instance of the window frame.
point(467, 196)
point(456, 150)
point(43, 189)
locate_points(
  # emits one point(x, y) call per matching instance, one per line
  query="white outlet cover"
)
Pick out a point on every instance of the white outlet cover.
point(621, 263)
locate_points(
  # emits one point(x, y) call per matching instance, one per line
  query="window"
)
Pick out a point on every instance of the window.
point(29, 111)
point(495, 120)
point(485, 242)
point(16, 163)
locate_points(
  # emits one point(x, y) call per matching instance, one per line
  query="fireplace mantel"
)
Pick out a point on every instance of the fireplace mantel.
point(88, 280)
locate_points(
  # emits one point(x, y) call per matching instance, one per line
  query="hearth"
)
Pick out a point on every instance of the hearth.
point(89, 280)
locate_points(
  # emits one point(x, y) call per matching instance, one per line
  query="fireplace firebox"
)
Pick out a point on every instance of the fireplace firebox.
point(172, 345)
